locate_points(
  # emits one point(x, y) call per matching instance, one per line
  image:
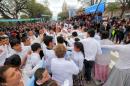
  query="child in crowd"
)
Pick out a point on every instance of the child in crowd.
point(78, 58)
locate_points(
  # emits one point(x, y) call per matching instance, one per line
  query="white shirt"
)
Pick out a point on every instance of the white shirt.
point(32, 38)
point(71, 41)
point(8, 48)
point(43, 46)
point(91, 48)
point(22, 54)
point(124, 55)
point(78, 58)
point(104, 59)
point(35, 59)
point(3, 55)
point(49, 55)
point(63, 70)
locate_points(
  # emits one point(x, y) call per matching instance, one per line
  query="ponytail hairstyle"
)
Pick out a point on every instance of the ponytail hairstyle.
point(80, 46)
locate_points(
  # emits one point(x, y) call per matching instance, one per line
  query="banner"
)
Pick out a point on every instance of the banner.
point(97, 7)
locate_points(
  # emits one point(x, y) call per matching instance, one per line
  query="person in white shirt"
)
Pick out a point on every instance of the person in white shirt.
point(63, 69)
point(41, 35)
point(4, 49)
point(78, 58)
point(103, 61)
point(60, 40)
point(91, 49)
point(17, 49)
point(35, 57)
point(72, 40)
point(31, 36)
point(49, 52)
point(7, 44)
point(26, 44)
point(120, 74)
point(3, 55)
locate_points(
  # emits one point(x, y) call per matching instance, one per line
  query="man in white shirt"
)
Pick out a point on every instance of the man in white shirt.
point(17, 49)
point(35, 57)
point(91, 49)
point(49, 52)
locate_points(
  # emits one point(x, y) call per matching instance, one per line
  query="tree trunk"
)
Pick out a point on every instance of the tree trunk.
point(4, 14)
point(122, 12)
point(112, 14)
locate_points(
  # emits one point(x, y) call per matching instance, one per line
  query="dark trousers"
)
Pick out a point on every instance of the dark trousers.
point(88, 69)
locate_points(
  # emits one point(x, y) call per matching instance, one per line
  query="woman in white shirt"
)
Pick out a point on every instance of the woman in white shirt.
point(62, 69)
point(120, 74)
point(102, 61)
point(33, 60)
point(78, 58)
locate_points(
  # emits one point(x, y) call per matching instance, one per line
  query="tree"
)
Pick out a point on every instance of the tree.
point(24, 16)
point(112, 7)
point(63, 15)
point(80, 10)
point(124, 5)
point(37, 10)
point(11, 8)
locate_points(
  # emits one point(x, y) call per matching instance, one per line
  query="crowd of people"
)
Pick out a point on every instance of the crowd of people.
point(68, 53)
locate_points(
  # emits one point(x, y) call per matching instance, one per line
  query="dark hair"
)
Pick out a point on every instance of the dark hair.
point(104, 35)
point(13, 60)
point(2, 30)
point(38, 74)
point(24, 38)
point(74, 34)
point(91, 32)
point(47, 40)
point(35, 47)
point(77, 39)
point(80, 46)
point(14, 42)
point(60, 39)
point(2, 77)
point(41, 54)
point(0, 38)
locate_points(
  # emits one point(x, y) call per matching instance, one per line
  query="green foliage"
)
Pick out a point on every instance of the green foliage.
point(24, 16)
point(63, 15)
point(13, 8)
point(112, 7)
point(36, 9)
point(6, 24)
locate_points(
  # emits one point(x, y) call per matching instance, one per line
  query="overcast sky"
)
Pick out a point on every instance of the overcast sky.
point(56, 5)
